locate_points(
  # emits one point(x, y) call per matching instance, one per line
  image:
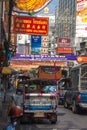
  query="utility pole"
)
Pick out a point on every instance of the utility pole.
point(7, 42)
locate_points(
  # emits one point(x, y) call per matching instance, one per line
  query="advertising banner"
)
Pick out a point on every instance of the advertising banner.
point(35, 44)
point(81, 18)
point(63, 42)
point(31, 25)
point(45, 57)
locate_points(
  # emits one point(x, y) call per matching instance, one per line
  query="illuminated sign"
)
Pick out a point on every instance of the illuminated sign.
point(31, 25)
point(45, 57)
point(31, 5)
point(27, 64)
point(82, 58)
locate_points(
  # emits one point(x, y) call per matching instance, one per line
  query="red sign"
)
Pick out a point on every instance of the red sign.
point(64, 50)
point(82, 59)
point(63, 42)
point(31, 25)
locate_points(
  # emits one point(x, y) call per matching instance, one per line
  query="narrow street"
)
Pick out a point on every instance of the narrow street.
point(66, 121)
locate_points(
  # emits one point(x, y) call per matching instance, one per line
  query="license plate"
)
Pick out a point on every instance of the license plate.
point(39, 114)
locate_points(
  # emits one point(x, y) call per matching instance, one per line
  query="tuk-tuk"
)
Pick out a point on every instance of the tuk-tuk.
point(40, 100)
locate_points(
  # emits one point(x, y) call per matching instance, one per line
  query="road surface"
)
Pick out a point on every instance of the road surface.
point(66, 121)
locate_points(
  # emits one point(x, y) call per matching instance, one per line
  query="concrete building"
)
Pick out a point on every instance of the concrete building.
point(66, 20)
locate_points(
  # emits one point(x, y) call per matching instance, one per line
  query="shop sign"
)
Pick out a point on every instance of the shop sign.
point(61, 50)
point(31, 25)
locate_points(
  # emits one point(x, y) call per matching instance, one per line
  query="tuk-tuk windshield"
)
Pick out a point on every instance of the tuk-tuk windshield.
point(43, 86)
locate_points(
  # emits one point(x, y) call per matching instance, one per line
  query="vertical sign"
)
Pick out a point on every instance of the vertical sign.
point(35, 44)
point(81, 18)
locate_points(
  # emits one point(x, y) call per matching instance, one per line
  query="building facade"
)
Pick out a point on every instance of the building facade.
point(66, 20)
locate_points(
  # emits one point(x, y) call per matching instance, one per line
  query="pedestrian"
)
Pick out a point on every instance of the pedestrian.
point(14, 109)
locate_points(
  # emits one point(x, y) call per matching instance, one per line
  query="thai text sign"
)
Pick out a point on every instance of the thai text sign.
point(31, 25)
point(44, 57)
point(36, 44)
point(62, 50)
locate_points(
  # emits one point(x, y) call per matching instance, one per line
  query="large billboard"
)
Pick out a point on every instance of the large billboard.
point(81, 18)
point(31, 25)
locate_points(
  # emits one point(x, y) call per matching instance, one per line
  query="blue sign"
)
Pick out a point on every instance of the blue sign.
point(45, 57)
point(35, 44)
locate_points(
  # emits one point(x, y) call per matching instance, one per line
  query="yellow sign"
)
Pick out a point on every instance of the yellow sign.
point(31, 5)
point(6, 70)
point(82, 59)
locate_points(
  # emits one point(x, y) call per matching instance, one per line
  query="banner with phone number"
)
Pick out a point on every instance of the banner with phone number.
point(44, 57)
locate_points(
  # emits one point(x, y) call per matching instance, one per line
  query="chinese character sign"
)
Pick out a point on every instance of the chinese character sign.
point(31, 25)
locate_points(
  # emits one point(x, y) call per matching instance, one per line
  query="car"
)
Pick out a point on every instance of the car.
point(76, 96)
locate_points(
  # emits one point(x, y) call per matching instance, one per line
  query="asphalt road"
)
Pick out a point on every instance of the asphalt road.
point(66, 121)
